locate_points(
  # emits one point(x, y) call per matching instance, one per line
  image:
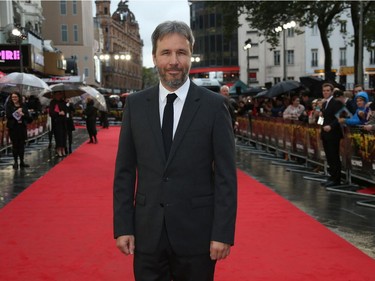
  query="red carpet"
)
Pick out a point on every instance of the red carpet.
point(60, 228)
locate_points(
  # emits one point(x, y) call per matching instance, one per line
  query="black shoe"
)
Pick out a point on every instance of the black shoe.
point(15, 166)
point(332, 183)
point(23, 165)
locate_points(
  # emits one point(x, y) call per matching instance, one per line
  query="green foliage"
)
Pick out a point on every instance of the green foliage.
point(149, 77)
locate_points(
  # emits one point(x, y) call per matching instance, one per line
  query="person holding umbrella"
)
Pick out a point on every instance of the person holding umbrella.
point(18, 117)
point(57, 111)
point(90, 113)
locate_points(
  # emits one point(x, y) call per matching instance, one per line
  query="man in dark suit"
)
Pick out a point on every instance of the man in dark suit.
point(331, 134)
point(175, 210)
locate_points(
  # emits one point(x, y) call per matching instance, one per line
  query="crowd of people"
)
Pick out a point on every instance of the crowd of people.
point(20, 110)
point(356, 107)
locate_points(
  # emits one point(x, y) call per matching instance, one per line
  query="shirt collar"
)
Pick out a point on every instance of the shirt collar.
point(180, 92)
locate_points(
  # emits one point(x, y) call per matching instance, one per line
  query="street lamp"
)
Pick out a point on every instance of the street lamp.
point(247, 47)
point(288, 25)
point(111, 62)
point(18, 32)
point(195, 58)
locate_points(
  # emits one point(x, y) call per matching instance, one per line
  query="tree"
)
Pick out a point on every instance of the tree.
point(149, 77)
point(266, 15)
point(363, 35)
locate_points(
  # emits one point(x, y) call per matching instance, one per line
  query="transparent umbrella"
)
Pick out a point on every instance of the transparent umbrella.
point(98, 98)
point(69, 90)
point(25, 83)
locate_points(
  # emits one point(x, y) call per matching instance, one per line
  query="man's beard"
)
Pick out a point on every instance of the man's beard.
point(173, 83)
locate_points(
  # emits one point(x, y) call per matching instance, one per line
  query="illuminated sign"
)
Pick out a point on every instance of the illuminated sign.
point(9, 55)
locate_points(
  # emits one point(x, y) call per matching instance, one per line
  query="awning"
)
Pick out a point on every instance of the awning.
point(214, 69)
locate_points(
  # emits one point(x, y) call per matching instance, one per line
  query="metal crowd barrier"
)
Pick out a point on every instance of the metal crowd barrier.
point(296, 139)
point(35, 130)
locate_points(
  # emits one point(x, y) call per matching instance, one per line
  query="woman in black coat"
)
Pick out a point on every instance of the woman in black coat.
point(69, 125)
point(57, 111)
point(17, 119)
point(90, 115)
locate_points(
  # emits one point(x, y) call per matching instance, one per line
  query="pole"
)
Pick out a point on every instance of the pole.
point(248, 67)
point(284, 57)
point(360, 45)
point(21, 56)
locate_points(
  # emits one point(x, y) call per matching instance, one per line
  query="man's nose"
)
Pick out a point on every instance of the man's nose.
point(174, 59)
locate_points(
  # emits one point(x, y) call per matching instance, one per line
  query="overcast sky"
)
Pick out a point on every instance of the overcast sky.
point(149, 13)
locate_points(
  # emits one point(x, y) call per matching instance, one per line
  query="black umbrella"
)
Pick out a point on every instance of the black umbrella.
point(253, 91)
point(261, 94)
point(283, 87)
point(314, 84)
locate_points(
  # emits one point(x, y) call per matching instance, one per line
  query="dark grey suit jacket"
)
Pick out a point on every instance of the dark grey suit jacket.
point(194, 191)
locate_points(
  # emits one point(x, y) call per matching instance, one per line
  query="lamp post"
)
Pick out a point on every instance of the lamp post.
point(282, 29)
point(106, 58)
point(20, 35)
point(247, 47)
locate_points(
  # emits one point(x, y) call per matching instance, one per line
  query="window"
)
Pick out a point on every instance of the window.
point(372, 57)
point(343, 26)
point(290, 32)
point(62, 7)
point(276, 57)
point(314, 57)
point(342, 56)
point(64, 33)
point(290, 57)
point(75, 33)
point(315, 30)
point(74, 7)
point(276, 80)
point(86, 72)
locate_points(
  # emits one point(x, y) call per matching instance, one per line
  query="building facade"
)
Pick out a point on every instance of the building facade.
point(22, 51)
point(69, 25)
point(215, 54)
point(302, 55)
point(119, 48)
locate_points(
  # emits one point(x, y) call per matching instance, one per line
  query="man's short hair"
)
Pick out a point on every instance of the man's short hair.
point(327, 85)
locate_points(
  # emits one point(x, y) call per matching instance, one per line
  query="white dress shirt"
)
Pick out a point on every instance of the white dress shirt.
point(178, 104)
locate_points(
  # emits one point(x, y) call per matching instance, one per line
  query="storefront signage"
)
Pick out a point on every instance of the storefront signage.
point(9, 55)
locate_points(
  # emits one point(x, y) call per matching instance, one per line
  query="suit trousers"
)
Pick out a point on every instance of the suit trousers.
point(332, 152)
point(165, 265)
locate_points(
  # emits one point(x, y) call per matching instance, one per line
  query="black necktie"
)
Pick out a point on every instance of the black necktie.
point(167, 126)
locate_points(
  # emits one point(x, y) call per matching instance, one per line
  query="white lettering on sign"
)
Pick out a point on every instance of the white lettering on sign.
point(10, 55)
point(357, 163)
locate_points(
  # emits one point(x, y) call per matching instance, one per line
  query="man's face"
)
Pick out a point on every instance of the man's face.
point(357, 90)
point(327, 92)
point(224, 91)
point(173, 60)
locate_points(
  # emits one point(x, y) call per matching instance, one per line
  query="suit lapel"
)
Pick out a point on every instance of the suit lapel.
point(153, 115)
point(190, 108)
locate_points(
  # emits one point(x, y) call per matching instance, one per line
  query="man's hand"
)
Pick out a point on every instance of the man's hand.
point(126, 244)
point(327, 128)
point(219, 250)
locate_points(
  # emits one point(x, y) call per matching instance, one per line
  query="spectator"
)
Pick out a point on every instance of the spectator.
point(294, 110)
point(18, 117)
point(360, 116)
point(370, 124)
point(315, 112)
point(224, 91)
point(277, 108)
point(341, 96)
